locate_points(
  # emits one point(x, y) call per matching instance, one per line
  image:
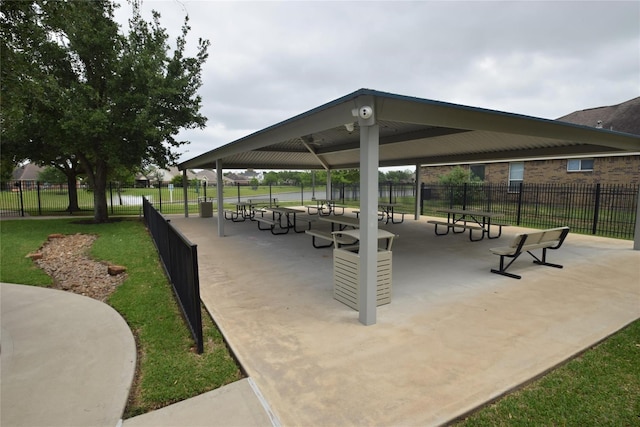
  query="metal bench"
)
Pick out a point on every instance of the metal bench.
point(544, 239)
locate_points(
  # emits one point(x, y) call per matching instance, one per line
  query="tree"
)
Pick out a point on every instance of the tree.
point(79, 89)
point(458, 175)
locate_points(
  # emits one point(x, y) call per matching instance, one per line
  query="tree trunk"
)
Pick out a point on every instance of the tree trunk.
point(73, 193)
point(100, 211)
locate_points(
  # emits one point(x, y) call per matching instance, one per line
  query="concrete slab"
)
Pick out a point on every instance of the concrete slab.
point(235, 404)
point(67, 360)
point(454, 336)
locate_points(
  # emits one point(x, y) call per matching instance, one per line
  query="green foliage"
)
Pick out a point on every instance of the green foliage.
point(52, 175)
point(79, 90)
point(397, 177)
point(458, 175)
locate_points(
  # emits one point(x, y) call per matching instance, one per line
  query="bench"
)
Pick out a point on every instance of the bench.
point(268, 203)
point(458, 225)
point(327, 235)
point(272, 223)
point(543, 239)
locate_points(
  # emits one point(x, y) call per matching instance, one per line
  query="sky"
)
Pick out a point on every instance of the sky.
point(271, 60)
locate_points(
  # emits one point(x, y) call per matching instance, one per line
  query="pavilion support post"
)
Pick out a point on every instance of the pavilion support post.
point(185, 184)
point(418, 191)
point(636, 234)
point(369, 161)
point(220, 197)
point(328, 189)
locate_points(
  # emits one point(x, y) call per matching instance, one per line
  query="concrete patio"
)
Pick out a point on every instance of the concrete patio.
point(454, 337)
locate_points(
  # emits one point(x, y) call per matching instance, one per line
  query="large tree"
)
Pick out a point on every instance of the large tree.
point(80, 89)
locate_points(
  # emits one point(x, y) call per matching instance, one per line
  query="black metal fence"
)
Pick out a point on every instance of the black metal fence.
point(599, 209)
point(36, 198)
point(180, 259)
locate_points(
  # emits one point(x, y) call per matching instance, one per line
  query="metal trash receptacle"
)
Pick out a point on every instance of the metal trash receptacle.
point(346, 270)
point(206, 209)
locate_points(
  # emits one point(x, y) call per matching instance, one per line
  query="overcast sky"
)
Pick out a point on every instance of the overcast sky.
point(269, 61)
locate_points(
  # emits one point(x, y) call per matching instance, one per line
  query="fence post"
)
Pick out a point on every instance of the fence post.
point(464, 196)
point(636, 234)
point(238, 186)
point(519, 210)
point(270, 195)
point(110, 195)
point(596, 209)
point(301, 194)
point(39, 201)
point(160, 194)
point(20, 197)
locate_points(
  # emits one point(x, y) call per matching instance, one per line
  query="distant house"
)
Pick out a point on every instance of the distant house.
point(606, 169)
point(27, 175)
point(244, 178)
point(165, 176)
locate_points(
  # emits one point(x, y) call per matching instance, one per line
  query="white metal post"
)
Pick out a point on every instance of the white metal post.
point(418, 191)
point(220, 197)
point(369, 160)
point(185, 184)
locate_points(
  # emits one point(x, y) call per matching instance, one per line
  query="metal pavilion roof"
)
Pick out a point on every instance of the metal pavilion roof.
point(412, 131)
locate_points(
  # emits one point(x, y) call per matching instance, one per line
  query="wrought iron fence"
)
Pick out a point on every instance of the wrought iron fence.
point(605, 210)
point(36, 198)
point(180, 259)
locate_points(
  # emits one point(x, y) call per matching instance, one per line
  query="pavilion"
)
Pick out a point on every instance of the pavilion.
point(368, 129)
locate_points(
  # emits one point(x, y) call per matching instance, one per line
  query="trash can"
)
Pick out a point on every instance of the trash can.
point(206, 209)
point(346, 270)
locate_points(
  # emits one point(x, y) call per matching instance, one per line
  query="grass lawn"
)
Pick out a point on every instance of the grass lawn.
point(600, 387)
point(168, 371)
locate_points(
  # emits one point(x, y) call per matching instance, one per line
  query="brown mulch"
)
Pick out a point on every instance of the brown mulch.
point(65, 258)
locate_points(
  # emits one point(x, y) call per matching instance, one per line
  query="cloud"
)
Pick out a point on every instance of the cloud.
point(272, 60)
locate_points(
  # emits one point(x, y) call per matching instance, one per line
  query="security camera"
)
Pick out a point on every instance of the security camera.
point(365, 112)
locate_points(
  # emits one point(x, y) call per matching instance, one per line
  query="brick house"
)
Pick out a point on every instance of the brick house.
point(605, 169)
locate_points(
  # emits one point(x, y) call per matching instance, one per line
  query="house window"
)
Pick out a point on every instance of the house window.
point(477, 170)
point(516, 175)
point(580, 165)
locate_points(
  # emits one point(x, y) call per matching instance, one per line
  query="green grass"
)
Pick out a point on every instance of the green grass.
point(168, 368)
point(599, 388)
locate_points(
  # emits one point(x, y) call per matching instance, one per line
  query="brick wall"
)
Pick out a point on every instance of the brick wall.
point(606, 170)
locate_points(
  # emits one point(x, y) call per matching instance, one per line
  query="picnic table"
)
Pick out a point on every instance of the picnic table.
point(460, 220)
point(288, 215)
point(325, 207)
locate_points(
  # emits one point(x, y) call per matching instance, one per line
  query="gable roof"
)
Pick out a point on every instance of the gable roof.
point(411, 131)
point(624, 117)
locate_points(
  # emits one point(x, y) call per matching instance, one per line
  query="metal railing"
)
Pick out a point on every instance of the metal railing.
point(599, 209)
point(180, 259)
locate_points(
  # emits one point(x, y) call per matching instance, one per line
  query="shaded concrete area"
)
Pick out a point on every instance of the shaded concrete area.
point(67, 360)
point(454, 336)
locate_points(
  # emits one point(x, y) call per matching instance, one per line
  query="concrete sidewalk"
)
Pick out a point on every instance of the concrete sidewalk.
point(67, 360)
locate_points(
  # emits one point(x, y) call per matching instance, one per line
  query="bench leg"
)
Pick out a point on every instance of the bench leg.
point(441, 234)
point(543, 261)
point(497, 235)
point(471, 235)
point(393, 221)
point(313, 242)
point(503, 268)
